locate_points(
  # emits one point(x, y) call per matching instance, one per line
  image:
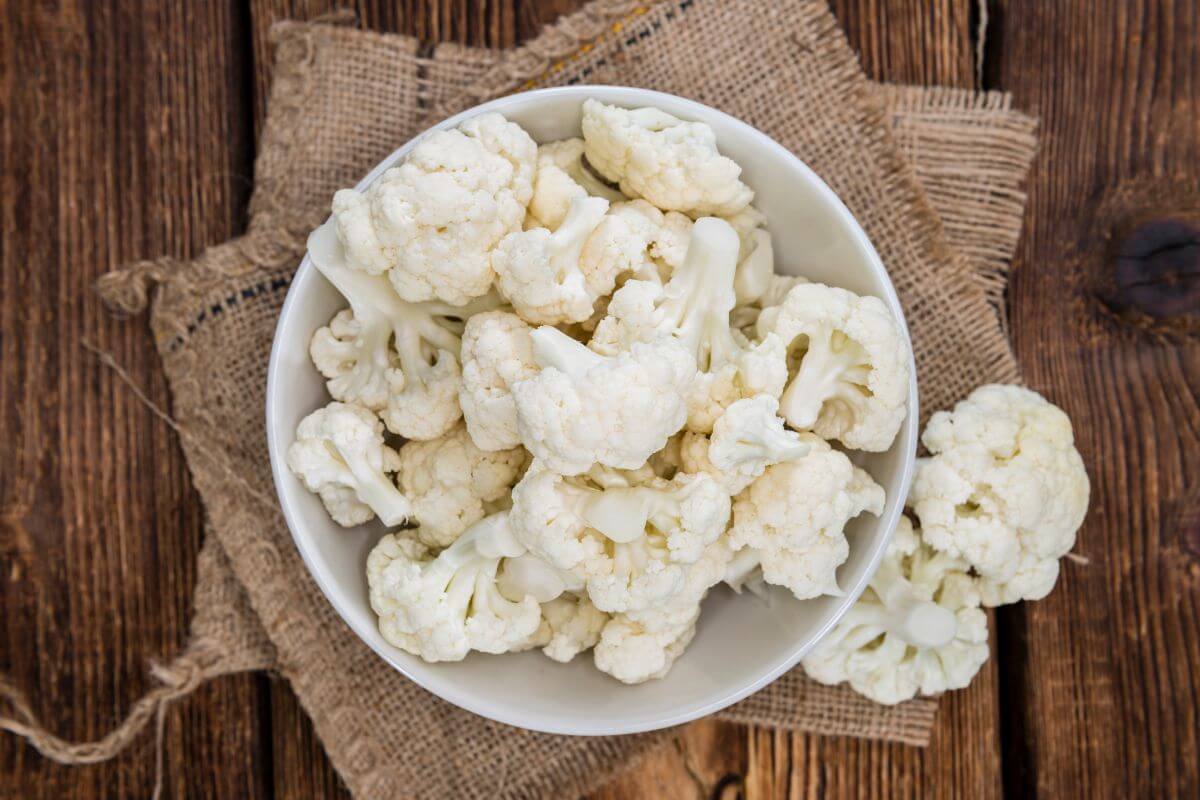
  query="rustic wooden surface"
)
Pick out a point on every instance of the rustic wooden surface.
point(127, 130)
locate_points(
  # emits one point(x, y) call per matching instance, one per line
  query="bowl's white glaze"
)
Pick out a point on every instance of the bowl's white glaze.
point(741, 644)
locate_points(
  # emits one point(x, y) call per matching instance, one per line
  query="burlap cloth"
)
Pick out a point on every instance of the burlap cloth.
point(933, 175)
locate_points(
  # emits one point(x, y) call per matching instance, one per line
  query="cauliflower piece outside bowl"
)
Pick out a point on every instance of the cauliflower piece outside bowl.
point(741, 644)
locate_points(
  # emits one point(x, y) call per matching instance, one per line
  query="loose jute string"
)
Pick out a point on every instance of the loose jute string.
point(177, 680)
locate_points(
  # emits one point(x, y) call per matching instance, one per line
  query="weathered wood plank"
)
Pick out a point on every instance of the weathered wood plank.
point(1105, 700)
point(122, 135)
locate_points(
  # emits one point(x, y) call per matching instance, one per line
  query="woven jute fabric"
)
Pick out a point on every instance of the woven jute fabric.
point(934, 176)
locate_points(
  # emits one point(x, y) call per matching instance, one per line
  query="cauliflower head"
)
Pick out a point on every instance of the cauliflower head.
point(562, 176)
point(1004, 489)
point(449, 481)
point(756, 256)
point(442, 607)
point(340, 455)
point(746, 439)
point(626, 541)
point(573, 624)
point(583, 409)
point(638, 240)
point(642, 645)
point(542, 273)
point(918, 628)
point(392, 356)
point(431, 222)
point(693, 308)
point(850, 363)
point(793, 517)
point(673, 164)
point(496, 353)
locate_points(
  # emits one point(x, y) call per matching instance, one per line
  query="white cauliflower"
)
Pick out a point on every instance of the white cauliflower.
point(1005, 490)
point(756, 256)
point(693, 308)
point(582, 408)
point(793, 517)
point(627, 542)
point(637, 240)
point(355, 366)
point(850, 364)
point(673, 164)
point(449, 481)
point(440, 608)
point(551, 516)
point(541, 273)
point(561, 177)
point(754, 320)
point(392, 356)
point(747, 438)
point(690, 511)
point(918, 628)
point(574, 625)
point(496, 353)
point(431, 222)
point(641, 645)
point(339, 454)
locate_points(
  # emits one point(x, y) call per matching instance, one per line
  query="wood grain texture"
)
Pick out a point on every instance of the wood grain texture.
point(1101, 677)
point(116, 142)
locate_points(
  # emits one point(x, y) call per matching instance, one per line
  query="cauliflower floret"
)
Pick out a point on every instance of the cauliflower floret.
point(690, 511)
point(561, 177)
point(636, 652)
point(754, 320)
point(673, 164)
point(748, 438)
point(431, 222)
point(642, 645)
point(339, 454)
point(392, 356)
point(917, 628)
point(757, 369)
point(756, 256)
point(1005, 490)
point(440, 608)
point(694, 308)
point(551, 516)
point(627, 542)
point(541, 273)
point(794, 514)
point(582, 408)
point(638, 240)
point(574, 626)
point(496, 353)
point(850, 363)
point(449, 481)
point(424, 408)
point(355, 366)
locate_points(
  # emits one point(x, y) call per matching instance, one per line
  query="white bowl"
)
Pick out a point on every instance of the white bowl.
point(742, 644)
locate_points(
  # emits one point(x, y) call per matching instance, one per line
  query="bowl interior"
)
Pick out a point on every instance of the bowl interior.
point(742, 642)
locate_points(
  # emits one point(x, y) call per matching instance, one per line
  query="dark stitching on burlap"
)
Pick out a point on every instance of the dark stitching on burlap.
point(631, 41)
point(215, 310)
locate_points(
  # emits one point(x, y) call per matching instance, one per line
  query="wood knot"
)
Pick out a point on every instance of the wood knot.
point(1157, 269)
point(1146, 262)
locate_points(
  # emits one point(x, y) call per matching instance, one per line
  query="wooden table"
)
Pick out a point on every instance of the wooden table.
point(127, 130)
